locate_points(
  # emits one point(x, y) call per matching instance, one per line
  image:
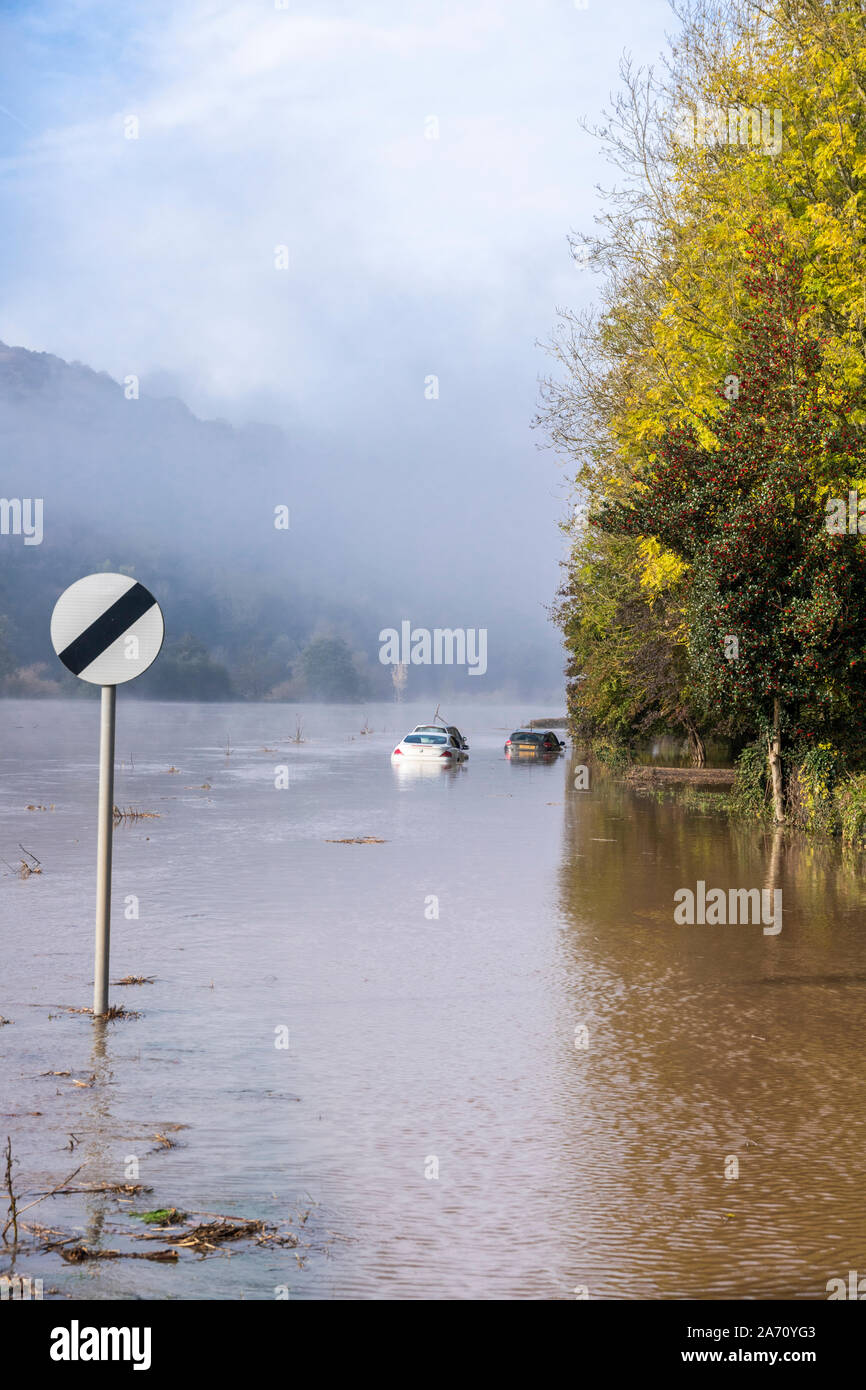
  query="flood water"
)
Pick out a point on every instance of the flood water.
point(537, 1091)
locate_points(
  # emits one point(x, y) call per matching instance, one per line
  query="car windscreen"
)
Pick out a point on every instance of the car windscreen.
point(425, 738)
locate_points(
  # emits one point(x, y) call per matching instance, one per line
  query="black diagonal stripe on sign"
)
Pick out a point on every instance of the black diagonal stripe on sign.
point(115, 620)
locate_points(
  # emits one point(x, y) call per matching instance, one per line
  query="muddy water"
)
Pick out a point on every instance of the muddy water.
point(539, 1090)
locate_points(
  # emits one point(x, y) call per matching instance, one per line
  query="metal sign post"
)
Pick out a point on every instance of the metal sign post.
point(105, 828)
point(106, 629)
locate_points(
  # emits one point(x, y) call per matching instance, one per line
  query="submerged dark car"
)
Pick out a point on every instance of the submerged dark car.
point(552, 742)
point(531, 741)
point(524, 741)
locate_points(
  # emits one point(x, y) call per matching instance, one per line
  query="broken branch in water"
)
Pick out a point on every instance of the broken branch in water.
point(54, 1191)
point(120, 1189)
point(43, 1232)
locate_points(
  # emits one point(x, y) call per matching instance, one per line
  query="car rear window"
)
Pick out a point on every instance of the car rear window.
point(525, 738)
point(425, 738)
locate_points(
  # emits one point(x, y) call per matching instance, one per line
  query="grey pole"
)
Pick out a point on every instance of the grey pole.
point(105, 823)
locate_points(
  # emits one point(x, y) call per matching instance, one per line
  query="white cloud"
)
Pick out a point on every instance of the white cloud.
point(261, 126)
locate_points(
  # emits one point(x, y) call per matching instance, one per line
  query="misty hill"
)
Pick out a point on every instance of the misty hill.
point(188, 506)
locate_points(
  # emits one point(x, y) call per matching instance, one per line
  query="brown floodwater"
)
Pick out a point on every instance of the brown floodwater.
point(510, 1072)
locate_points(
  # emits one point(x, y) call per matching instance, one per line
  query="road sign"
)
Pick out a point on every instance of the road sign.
point(106, 629)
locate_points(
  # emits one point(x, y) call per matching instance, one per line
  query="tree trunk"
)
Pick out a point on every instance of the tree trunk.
point(696, 745)
point(774, 758)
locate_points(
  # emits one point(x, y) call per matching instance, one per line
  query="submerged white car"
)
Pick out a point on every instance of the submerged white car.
point(443, 729)
point(430, 744)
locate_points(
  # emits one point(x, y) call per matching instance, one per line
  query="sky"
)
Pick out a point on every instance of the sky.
point(301, 213)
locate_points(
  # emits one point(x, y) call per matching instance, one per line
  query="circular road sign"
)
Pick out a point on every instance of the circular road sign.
point(107, 628)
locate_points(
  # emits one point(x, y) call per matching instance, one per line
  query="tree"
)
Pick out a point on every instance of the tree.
point(693, 171)
point(6, 662)
point(626, 641)
point(777, 604)
point(328, 671)
point(185, 670)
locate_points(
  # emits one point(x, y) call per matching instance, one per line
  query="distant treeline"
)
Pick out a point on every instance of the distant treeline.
point(211, 652)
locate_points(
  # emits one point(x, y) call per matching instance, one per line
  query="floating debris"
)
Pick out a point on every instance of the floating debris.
point(210, 1234)
point(169, 1226)
point(130, 813)
point(359, 840)
point(276, 1238)
point(114, 1012)
point(79, 1254)
point(135, 980)
point(163, 1216)
point(28, 866)
point(220, 1230)
point(163, 1142)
